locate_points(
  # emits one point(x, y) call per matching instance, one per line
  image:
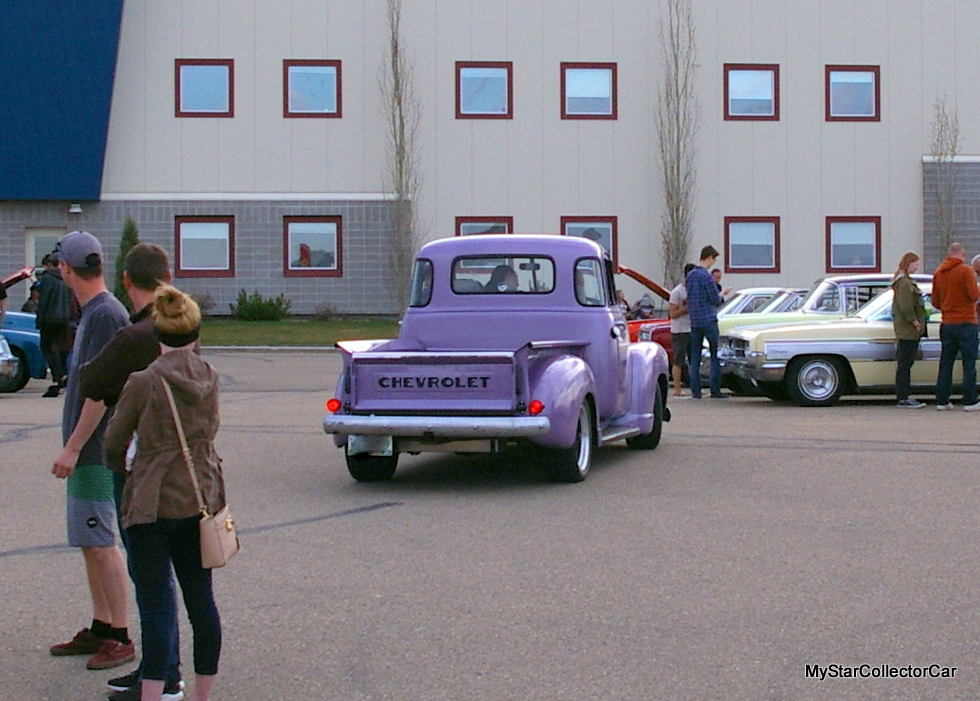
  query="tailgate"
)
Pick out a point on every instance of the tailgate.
point(427, 382)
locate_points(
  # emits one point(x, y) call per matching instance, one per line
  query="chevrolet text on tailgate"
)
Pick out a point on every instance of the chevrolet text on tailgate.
point(507, 341)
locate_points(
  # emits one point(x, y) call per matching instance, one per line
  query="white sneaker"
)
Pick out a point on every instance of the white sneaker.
point(944, 407)
point(972, 407)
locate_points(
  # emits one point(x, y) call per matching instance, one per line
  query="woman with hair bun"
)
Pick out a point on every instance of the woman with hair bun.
point(159, 507)
point(909, 319)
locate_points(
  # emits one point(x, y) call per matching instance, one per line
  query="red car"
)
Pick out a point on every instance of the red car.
point(658, 328)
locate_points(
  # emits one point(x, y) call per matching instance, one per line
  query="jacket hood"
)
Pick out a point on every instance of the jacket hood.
point(949, 264)
point(190, 377)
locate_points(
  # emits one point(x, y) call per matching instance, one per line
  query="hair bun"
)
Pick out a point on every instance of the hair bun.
point(175, 312)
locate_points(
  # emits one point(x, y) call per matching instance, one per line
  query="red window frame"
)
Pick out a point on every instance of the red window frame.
point(180, 271)
point(729, 268)
point(854, 269)
point(509, 65)
point(228, 62)
point(614, 95)
point(507, 221)
point(289, 63)
point(312, 272)
point(613, 221)
point(852, 69)
point(774, 69)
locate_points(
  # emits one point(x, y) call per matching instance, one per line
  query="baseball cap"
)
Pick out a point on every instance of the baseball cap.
point(79, 249)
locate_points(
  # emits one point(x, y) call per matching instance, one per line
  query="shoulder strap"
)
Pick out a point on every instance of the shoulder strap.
point(183, 447)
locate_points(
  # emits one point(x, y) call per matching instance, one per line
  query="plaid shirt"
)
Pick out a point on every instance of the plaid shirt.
point(703, 299)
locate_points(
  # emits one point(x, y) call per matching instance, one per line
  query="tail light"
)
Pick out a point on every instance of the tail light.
point(535, 407)
point(333, 405)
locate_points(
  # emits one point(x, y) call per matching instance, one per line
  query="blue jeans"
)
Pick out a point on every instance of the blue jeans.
point(698, 334)
point(957, 339)
point(173, 671)
point(154, 547)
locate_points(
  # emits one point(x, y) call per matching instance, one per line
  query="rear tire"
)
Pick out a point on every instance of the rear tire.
point(16, 381)
point(573, 464)
point(371, 468)
point(649, 441)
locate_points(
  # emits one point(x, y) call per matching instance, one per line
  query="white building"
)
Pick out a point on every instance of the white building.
point(239, 131)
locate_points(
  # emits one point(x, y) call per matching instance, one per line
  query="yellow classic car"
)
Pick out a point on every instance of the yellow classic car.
point(815, 363)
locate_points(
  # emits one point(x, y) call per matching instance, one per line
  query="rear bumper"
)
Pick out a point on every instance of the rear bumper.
point(461, 427)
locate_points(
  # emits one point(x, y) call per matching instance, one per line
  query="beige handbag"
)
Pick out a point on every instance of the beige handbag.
point(219, 540)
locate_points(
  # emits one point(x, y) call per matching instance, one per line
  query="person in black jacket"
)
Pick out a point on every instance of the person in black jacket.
point(54, 312)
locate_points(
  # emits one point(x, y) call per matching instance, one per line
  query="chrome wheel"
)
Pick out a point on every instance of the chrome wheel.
point(816, 381)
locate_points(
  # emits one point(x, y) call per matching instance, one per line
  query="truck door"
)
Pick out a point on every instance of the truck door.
point(607, 326)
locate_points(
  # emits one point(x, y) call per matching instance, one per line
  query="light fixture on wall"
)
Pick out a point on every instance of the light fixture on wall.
point(75, 208)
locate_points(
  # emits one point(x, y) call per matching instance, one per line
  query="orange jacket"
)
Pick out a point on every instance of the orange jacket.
point(955, 292)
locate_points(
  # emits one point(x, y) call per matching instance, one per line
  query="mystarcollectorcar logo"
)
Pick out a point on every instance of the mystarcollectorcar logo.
point(880, 671)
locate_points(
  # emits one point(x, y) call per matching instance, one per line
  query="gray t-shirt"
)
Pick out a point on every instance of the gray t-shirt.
point(681, 324)
point(101, 318)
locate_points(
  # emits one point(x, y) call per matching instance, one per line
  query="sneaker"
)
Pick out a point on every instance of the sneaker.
point(972, 407)
point(112, 654)
point(132, 681)
point(719, 396)
point(171, 692)
point(944, 407)
point(85, 642)
point(124, 682)
point(910, 403)
point(52, 391)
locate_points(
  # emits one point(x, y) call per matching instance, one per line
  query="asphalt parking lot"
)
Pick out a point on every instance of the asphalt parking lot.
point(758, 540)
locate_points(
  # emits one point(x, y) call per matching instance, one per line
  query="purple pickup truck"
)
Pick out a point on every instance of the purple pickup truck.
point(507, 340)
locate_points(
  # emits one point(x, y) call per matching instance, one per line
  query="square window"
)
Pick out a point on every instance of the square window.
point(205, 87)
point(752, 244)
point(312, 247)
point(471, 226)
point(853, 94)
point(484, 90)
point(751, 92)
point(205, 247)
point(588, 91)
point(311, 89)
point(853, 244)
point(602, 230)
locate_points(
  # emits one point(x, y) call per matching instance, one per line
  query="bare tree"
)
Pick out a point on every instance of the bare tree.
point(945, 147)
point(402, 176)
point(678, 119)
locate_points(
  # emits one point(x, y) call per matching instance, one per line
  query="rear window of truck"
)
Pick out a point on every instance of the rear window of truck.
point(503, 275)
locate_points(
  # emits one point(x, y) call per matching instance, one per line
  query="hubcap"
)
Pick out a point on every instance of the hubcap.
point(584, 439)
point(818, 380)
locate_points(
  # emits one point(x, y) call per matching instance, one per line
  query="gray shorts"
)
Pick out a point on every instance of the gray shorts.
point(91, 508)
point(681, 343)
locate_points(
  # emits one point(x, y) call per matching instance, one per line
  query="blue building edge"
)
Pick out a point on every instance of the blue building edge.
point(57, 67)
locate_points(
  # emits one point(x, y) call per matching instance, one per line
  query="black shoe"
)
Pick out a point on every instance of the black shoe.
point(171, 692)
point(52, 391)
point(719, 396)
point(124, 682)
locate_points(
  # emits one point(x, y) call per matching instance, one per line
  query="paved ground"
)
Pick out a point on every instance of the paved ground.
point(756, 540)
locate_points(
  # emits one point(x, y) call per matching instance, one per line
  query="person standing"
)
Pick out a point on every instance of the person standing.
point(955, 294)
point(909, 319)
point(54, 310)
point(703, 300)
point(145, 268)
point(680, 330)
point(91, 510)
point(160, 508)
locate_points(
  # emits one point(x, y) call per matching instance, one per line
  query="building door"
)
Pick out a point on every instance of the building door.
point(39, 242)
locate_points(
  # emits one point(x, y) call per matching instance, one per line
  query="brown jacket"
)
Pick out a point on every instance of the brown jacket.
point(955, 292)
point(159, 485)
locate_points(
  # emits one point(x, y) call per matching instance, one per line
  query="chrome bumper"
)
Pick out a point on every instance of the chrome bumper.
point(772, 371)
point(439, 426)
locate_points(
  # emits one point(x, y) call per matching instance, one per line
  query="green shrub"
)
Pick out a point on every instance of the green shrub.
point(130, 237)
point(257, 308)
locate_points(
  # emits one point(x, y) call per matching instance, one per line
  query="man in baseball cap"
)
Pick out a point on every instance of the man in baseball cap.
point(81, 251)
point(91, 509)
